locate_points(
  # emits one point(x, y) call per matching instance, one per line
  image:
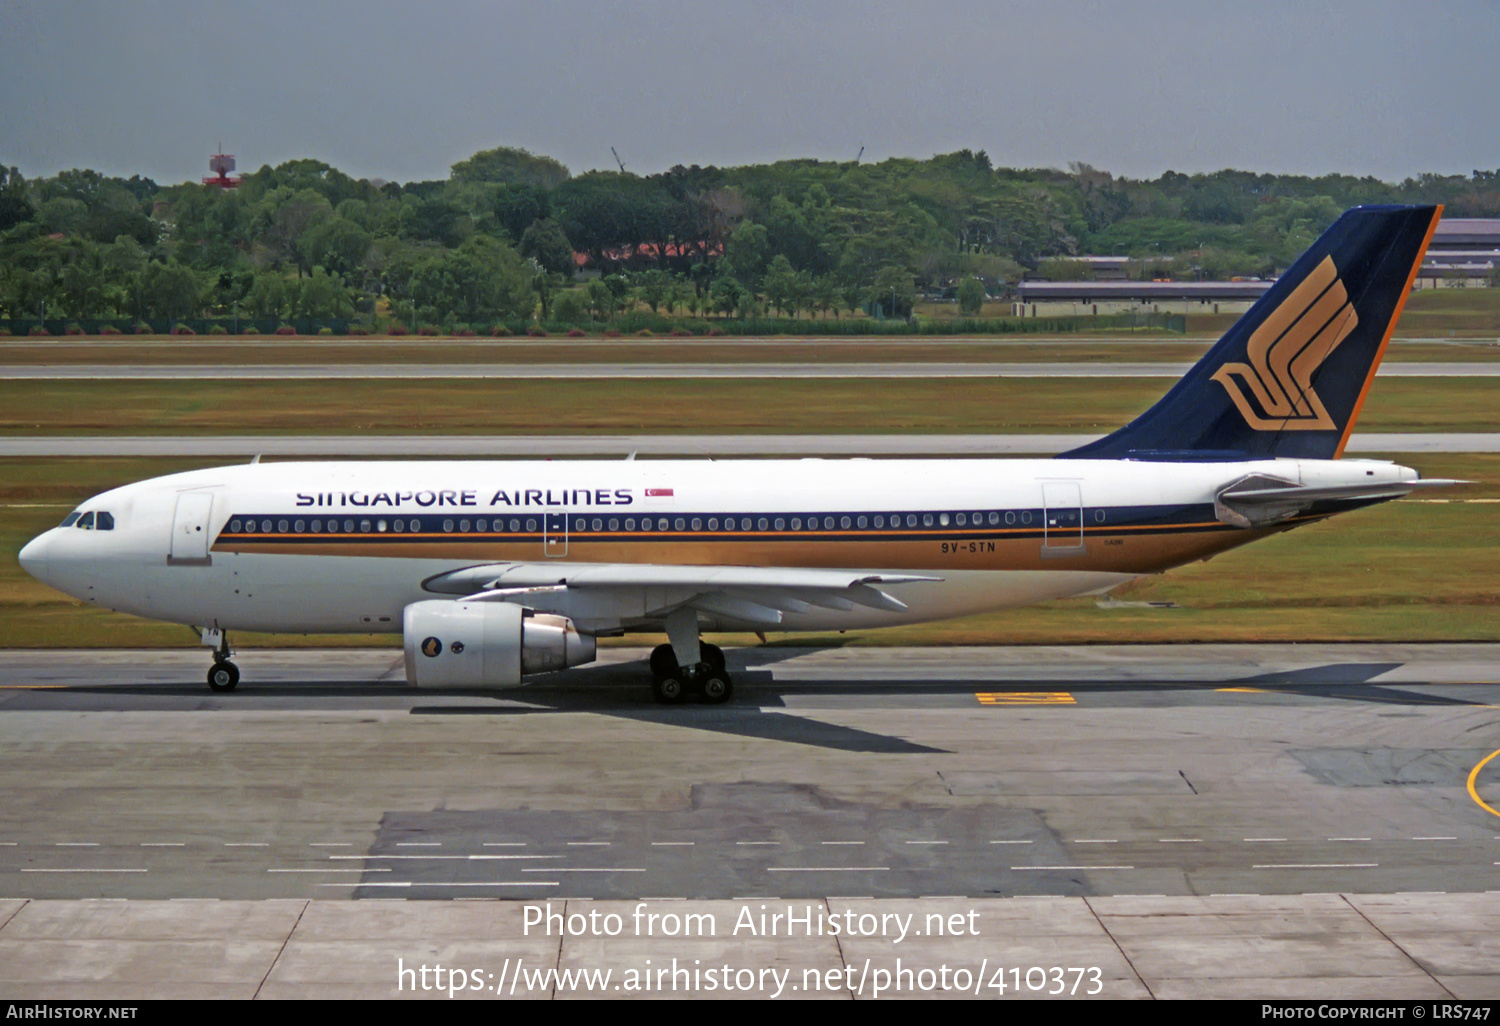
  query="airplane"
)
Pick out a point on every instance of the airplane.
point(493, 571)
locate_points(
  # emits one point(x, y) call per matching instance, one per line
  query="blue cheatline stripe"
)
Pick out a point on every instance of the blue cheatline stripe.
point(1008, 524)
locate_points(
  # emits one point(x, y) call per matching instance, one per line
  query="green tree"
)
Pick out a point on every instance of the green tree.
point(970, 297)
point(270, 296)
point(169, 290)
point(484, 279)
point(509, 165)
point(323, 296)
point(545, 242)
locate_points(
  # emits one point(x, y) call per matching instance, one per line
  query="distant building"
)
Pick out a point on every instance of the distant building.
point(1063, 298)
point(1464, 252)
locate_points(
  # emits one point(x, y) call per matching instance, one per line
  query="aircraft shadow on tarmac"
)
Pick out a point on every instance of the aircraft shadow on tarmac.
point(619, 690)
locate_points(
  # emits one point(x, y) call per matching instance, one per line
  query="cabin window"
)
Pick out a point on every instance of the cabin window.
point(579, 524)
point(348, 525)
point(995, 519)
point(614, 524)
point(598, 524)
point(530, 524)
point(645, 523)
point(463, 525)
point(299, 526)
point(962, 521)
point(1025, 517)
point(1010, 518)
point(697, 524)
point(713, 523)
point(845, 523)
point(482, 526)
point(630, 523)
point(926, 519)
point(744, 523)
point(911, 520)
point(317, 527)
point(281, 526)
point(661, 523)
point(447, 525)
point(265, 527)
point(234, 525)
point(415, 525)
point(762, 524)
point(796, 523)
point(680, 524)
point(880, 521)
point(364, 526)
point(1098, 516)
point(515, 525)
point(399, 526)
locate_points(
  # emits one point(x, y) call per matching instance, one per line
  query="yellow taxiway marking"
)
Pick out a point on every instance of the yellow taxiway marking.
point(1474, 776)
point(1025, 698)
point(1243, 691)
point(31, 687)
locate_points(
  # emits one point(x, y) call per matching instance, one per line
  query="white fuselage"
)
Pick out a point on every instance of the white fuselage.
point(345, 547)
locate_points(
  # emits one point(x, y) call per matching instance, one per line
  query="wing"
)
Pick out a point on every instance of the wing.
point(756, 595)
point(1258, 501)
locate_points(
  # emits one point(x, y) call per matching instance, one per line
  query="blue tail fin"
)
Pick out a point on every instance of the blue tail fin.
point(1291, 375)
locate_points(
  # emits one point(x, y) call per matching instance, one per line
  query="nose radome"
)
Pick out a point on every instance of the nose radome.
point(33, 556)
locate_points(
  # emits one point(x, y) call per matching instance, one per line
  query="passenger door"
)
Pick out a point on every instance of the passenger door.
point(190, 529)
point(1062, 519)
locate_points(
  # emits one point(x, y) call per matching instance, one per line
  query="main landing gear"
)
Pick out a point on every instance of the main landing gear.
point(687, 665)
point(223, 675)
point(672, 683)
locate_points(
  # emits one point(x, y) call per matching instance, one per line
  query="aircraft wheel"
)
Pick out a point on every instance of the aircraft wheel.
point(669, 690)
point(663, 662)
point(717, 689)
point(713, 655)
point(223, 676)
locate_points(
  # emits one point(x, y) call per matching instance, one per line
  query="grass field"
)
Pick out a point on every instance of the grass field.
point(729, 406)
point(302, 352)
point(1407, 570)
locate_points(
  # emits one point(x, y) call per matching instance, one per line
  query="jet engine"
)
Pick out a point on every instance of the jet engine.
point(456, 644)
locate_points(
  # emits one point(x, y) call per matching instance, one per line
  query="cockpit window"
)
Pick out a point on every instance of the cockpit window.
point(69, 520)
point(86, 522)
point(104, 521)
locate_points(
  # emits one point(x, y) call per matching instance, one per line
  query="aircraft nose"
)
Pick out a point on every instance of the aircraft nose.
point(33, 556)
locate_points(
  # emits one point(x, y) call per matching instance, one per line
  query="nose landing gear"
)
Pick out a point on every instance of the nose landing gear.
point(223, 675)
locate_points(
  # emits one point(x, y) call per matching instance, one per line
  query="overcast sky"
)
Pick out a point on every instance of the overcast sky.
point(401, 90)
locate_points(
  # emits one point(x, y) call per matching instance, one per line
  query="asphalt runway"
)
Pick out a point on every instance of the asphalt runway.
point(1273, 821)
point(471, 446)
point(1177, 770)
point(621, 371)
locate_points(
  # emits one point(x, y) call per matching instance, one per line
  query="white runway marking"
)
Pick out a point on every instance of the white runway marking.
point(828, 869)
point(1082, 868)
point(1317, 865)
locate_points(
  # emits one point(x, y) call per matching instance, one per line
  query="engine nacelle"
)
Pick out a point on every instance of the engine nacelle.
point(455, 644)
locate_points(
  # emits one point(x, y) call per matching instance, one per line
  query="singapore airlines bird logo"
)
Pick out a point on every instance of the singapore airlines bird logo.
point(1285, 351)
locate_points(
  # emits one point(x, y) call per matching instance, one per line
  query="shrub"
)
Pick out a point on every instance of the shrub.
point(73, 329)
point(716, 331)
point(429, 330)
point(644, 333)
point(577, 333)
point(4, 333)
point(141, 328)
point(537, 331)
point(397, 329)
point(250, 331)
point(109, 329)
point(286, 329)
point(358, 329)
point(463, 331)
point(680, 333)
point(40, 332)
point(501, 331)
point(182, 329)
point(325, 332)
point(218, 329)
point(611, 332)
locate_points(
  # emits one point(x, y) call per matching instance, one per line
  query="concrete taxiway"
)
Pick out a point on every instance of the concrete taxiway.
point(1209, 820)
point(470, 446)
point(620, 371)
